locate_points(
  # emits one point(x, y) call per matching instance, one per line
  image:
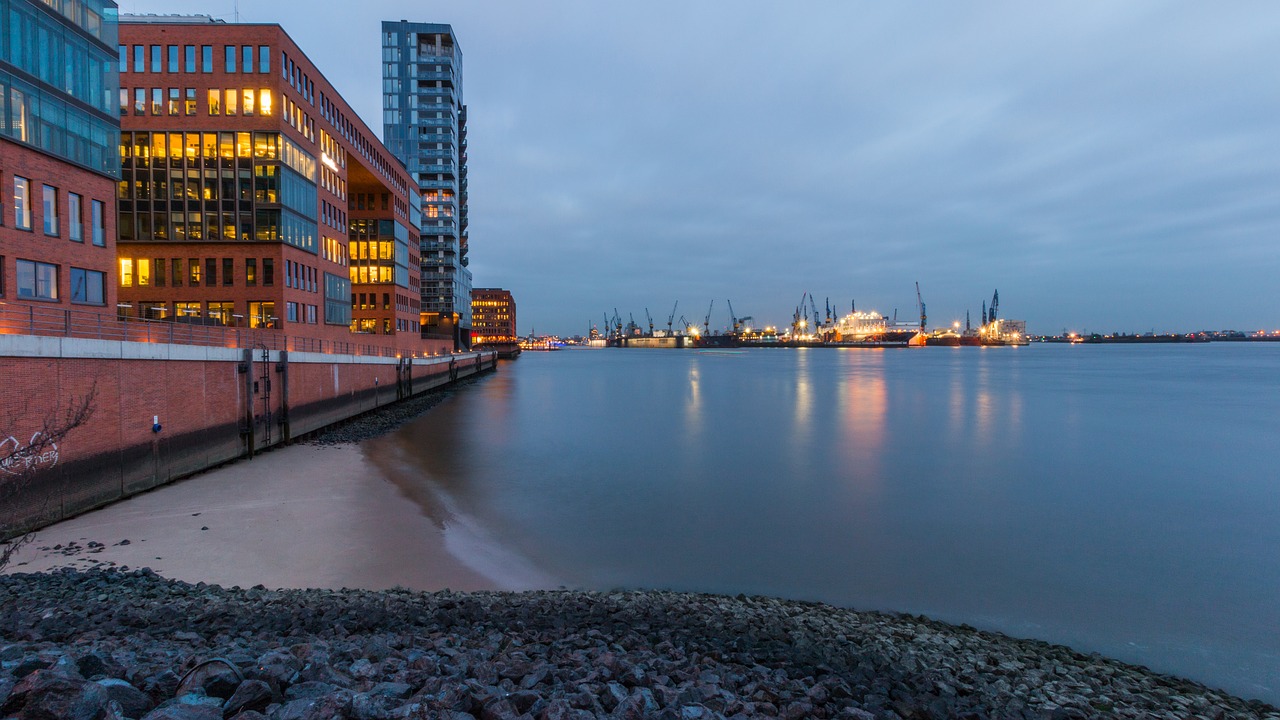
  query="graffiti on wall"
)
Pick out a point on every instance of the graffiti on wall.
point(17, 459)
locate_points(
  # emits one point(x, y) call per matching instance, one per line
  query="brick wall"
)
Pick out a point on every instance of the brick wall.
point(205, 399)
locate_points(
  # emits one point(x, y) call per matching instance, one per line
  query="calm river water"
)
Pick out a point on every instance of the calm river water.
point(1124, 500)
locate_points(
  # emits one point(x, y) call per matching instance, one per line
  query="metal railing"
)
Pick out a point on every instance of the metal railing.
point(71, 323)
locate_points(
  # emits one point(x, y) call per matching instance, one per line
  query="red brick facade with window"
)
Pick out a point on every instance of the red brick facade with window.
point(60, 251)
point(216, 214)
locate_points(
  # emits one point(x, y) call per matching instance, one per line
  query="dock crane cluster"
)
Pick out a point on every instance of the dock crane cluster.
point(810, 325)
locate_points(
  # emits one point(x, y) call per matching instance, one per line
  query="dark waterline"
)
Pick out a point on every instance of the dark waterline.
point(1123, 500)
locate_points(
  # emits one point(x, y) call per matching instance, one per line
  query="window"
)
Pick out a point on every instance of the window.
point(187, 310)
point(176, 266)
point(50, 210)
point(246, 64)
point(264, 102)
point(206, 58)
point(98, 212)
point(194, 266)
point(88, 286)
point(75, 217)
point(248, 102)
point(268, 272)
point(37, 280)
point(124, 101)
point(230, 52)
point(21, 203)
point(228, 270)
point(231, 102)
point(215, 102)
point(189, 58)
point(155, 58)
point(139, 58)
point(157, 101)
point(210, 272)
point(191, 101)
point(124, 57)
point(250, 271)
point(264, 59)
point(126, 272)
point(262, 314)
point(173, 58)
point(291, 311)
point(223, 312)
point(159, 265)
point(142, 272)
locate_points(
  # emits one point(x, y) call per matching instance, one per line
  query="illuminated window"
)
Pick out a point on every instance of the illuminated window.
point(21, 203)
point(187, 309)
point(126, 272)
point(247, 106)
point(264, 101)
point(215, 102)
point(143, 272)
point(230, 108)
point(174, 99)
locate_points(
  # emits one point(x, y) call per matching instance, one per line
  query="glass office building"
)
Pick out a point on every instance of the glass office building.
point(425, 126)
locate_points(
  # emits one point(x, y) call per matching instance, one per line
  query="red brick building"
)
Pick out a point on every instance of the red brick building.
point(57, 158)
point(251, 194)
point(493, 317)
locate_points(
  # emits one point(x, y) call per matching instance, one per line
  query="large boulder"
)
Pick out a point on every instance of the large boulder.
point(52, 695)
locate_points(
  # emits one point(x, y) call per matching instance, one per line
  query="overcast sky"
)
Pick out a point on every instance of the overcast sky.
point(1106, 165)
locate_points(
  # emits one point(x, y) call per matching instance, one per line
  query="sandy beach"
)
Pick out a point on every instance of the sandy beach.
point(304, 516)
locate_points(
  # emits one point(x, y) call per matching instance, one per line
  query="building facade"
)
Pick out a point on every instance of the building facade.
point(252, 195)
point(493, 314)
point(425, 125)
point(58, 163)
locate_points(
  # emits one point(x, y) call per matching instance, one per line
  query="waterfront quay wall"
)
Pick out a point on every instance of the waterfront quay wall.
point(164, 411)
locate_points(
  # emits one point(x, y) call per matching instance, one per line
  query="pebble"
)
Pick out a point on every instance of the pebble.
point(196, 651)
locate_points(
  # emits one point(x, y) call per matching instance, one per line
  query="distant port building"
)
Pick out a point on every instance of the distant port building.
point(425, 126)
point(251, 194)
point(493, 312)
point(58, 160)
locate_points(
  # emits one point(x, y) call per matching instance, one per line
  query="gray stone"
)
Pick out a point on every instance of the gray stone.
point(133, 702)
point(249, 695)
point(52, 694)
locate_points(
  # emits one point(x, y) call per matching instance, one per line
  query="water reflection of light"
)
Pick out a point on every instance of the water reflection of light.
point(693, 404)
point(863, 400)
point(803, 404)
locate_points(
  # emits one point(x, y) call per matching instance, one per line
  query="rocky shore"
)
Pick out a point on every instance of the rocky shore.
point(130, 644)
point(388, 417)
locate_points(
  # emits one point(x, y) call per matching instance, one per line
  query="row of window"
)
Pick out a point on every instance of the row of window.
point(36, 280)
point(45, 120)
point(297, 79)
point(184, 101)
point(156, 272)
point(183, 58)
point(254, 313)
point(51, 217)
point(300, 277)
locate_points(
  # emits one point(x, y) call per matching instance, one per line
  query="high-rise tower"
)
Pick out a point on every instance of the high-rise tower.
point(425, 125)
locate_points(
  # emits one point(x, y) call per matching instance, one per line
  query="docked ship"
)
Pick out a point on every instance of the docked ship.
point(862, 328)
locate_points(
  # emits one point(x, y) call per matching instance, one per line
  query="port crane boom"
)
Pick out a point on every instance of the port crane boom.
point(671, 318)
point(733, 319)
point(650, 319)
point(706, 323)
point(920, 302)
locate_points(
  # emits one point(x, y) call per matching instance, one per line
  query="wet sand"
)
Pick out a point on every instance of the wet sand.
point(304, 516)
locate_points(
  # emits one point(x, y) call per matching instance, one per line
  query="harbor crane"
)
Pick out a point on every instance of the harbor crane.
point(706, 323)
point(816, 318)
point(920, 302)
point(685, 325)
point(671, 318)
point(650, 319)
point(617, 321)
point(995, 302)
point(734, 320)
